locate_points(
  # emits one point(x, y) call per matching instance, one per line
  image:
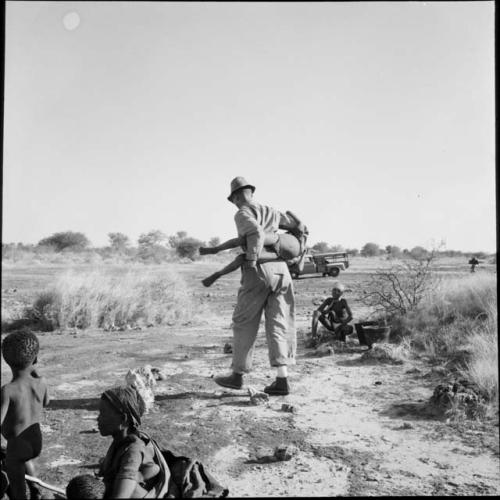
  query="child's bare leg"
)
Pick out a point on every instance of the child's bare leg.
point(227, 245)
point(15, 472)
point(326, 322)
point(30, 468)
point(232, 266)
point(35, 492)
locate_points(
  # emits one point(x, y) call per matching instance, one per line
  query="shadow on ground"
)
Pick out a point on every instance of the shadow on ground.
point(413, 411)
point(198, 395)
point(90, 404)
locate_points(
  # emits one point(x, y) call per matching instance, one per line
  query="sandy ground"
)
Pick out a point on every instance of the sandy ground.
point(359, 429)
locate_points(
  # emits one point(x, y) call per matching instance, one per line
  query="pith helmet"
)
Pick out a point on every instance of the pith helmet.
point(239, 183)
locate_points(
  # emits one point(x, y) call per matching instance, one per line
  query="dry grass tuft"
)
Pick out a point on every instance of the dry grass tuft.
point(101, 299)
point(458, 323)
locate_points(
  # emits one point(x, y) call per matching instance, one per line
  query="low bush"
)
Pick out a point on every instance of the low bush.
point(456, 323)
point(102, 299)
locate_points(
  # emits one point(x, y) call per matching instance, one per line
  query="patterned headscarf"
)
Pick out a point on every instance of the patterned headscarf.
point(127, 401)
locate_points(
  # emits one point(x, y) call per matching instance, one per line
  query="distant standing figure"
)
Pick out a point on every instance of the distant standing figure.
point(265, 288)
point(473, 263)
point(22, 400)
point(334, 311)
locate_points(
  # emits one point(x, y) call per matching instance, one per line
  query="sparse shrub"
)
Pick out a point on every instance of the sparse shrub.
point(99, 299)
point(44, 311)
point(400, 288)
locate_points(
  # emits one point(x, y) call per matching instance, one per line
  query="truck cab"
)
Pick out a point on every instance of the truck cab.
point(327, 264)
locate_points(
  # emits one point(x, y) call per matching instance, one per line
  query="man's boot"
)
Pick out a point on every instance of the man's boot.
point(279, 387)
point(233, 381)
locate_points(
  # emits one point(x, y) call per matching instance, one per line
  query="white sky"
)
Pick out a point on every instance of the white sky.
point(371, 121)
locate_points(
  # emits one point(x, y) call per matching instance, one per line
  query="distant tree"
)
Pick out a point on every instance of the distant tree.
point(174, 239)
point(66, 240)
point(393, 251)
point(154, 237)
point(352, 251)
point(150, 247)
point(320, 247)
point(215, 241)
point(337, 248)
point(188, 247)
point(370, 250)
point(419, 253)
point(118, 241)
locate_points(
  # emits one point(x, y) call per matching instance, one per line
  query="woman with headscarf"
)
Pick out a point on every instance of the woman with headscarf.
point(129, 463)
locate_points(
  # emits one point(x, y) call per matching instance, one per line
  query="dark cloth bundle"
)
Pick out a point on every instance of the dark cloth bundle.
point(190, 479)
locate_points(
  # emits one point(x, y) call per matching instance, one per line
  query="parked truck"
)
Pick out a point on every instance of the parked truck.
point(327, 264)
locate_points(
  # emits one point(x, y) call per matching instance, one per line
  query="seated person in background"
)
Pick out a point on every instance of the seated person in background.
point(85, 486)
point(22, 400)
point(129, 463)
point(285, 246)
point(334, 311)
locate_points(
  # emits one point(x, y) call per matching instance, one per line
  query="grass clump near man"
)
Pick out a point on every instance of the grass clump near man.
point(22, 400)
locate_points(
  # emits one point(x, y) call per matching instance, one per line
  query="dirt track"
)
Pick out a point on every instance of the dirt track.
point(360, 429)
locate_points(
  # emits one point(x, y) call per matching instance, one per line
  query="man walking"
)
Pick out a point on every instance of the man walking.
point(265, 287)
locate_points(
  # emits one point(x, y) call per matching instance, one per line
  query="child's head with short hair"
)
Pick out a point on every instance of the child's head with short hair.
point(85, 486)
point(20, 349)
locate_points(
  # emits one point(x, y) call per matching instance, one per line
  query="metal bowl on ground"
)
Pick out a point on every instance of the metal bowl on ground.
point(371, 332)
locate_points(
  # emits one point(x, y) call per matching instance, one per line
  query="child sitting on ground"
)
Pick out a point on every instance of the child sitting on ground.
point(22, 400)
point(84, 486)
point(285, 246)
point(332, 311)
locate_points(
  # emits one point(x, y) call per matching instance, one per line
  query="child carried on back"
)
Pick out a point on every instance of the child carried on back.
point(22, 400)
point(286, 246)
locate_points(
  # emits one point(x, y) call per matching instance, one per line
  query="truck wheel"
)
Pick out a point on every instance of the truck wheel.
point(334, 271)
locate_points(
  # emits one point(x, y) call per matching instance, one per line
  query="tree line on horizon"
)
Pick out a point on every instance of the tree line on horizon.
point(156, 246)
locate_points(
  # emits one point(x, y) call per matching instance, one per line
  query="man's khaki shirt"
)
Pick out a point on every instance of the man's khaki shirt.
point(253, 221)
